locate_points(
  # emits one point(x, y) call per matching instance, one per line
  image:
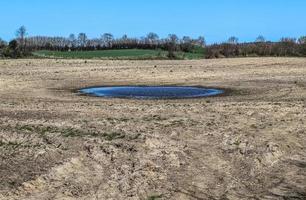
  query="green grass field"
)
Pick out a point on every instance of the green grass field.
point(116, 54)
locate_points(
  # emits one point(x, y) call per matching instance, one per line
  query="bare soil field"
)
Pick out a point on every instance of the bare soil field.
point(247, 144)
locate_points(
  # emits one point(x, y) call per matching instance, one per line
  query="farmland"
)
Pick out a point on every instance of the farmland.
point(247, 144)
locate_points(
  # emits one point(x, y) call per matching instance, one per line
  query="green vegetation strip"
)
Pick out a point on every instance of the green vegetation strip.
point(138, 54)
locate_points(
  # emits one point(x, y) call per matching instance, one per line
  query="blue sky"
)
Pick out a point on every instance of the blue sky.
point(216, 20)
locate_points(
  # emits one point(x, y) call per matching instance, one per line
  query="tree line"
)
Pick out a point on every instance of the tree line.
point(108, 41)
point(23, 45)
point(260, 47)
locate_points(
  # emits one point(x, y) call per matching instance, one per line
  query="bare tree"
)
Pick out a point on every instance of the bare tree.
point(288, 39)
point(124, 37)
point(186, 39)
point(107, 38)
point(152, 36)
point(302, 40)
point(302, 44)
point(172, 45)
point(287, 46)
point(123, 42)
point(72, 40)
point(173, 38)
point(201, 41)
point(71, 37)
point(21, 34)
point(152, 39)
point(186, 44)
point(82, 39)
point(2, 43)
point(260, 38)
point(233, 40)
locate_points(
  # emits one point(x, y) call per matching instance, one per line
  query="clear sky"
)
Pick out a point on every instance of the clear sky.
point(215, 19)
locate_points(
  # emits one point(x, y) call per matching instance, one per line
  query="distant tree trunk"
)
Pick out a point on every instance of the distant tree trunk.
point(21, 34)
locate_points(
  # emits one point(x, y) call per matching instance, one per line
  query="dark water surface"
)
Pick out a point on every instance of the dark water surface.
point(151, 92)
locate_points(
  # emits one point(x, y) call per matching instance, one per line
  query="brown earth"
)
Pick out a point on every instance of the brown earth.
point(247, 144)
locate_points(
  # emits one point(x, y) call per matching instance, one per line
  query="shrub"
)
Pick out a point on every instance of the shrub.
point(12, 50)
point(2, 47)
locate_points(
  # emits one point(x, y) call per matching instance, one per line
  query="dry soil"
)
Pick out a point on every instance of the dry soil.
point(247, 144)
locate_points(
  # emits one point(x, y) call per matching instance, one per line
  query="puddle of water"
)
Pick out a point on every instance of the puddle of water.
point(151, 92)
